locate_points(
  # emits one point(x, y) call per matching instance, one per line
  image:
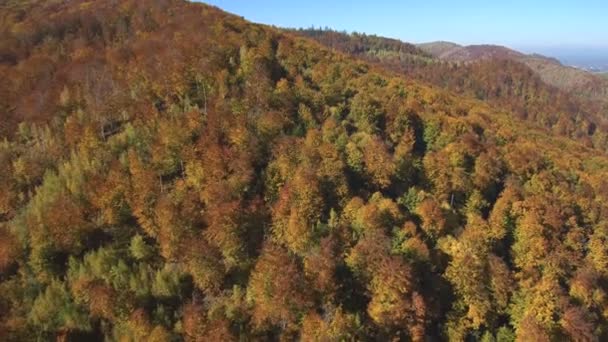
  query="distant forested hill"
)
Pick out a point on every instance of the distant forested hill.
point(575, 81)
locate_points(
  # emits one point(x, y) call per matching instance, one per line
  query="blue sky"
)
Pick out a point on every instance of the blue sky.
point(529, 25)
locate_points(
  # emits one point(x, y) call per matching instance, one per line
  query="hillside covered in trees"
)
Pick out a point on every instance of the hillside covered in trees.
point(573, 80)
point(170, 172)
point(529, 86)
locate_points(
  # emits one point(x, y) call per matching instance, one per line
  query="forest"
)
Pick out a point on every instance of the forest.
point(507, 83)
point(172, 172)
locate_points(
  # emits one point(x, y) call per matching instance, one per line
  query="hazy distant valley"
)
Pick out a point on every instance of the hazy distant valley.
point(592, 61)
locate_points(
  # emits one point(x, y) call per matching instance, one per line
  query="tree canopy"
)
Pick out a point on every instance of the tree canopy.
point(171, 172)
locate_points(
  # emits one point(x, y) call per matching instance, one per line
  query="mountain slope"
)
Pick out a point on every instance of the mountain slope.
point(390, 53)
point(456, 53)
point(177, 173)
point(505, 82)
point(439, 49)
point(551, 71)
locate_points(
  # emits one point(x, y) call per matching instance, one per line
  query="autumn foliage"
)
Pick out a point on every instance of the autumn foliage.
point(171, 172)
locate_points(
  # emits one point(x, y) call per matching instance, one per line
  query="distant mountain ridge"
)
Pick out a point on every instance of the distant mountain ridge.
point(551, 70)
point(458, 53)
